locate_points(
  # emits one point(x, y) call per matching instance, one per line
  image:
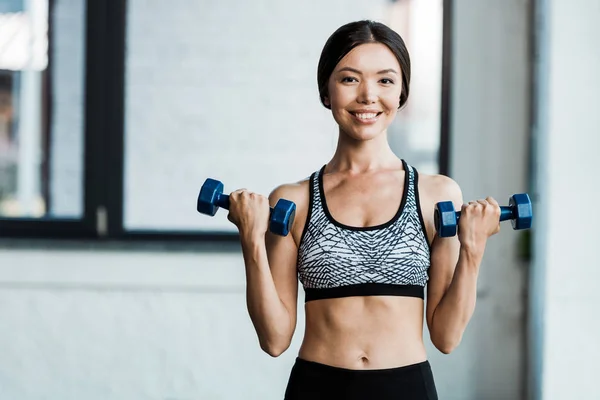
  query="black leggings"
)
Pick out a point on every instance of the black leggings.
point(315, 381)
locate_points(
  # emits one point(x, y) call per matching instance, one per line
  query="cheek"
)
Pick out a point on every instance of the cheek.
point(340, 98)
point(338, 113)
point(391, 103)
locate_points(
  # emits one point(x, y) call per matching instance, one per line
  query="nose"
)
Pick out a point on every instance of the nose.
point(367, 93)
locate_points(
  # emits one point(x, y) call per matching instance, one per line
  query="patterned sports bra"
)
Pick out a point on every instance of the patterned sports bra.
point(336, 260)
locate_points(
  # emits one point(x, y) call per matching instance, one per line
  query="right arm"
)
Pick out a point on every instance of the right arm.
point(270, 261)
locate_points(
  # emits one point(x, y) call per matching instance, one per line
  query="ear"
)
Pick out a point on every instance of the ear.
point(326, 101)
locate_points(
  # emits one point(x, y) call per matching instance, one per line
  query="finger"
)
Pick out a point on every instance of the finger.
point(492, 201)
point(476, 204)
point(237, 193)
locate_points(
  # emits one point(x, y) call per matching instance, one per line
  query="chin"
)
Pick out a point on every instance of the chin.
point(363, 133)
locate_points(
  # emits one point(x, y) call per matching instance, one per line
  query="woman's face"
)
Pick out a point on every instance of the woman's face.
point(364, 91)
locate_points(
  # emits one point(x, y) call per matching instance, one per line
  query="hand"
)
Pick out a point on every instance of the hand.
point(250, 212)
point(478, 221)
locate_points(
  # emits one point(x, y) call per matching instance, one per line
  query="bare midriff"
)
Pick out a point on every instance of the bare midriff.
point(370, 332)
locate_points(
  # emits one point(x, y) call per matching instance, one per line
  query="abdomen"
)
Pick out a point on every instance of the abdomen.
point(372, 332)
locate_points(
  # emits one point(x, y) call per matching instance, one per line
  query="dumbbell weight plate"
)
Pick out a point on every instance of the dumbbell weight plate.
point(523, 212)
point(207, 198)
point(445, 219)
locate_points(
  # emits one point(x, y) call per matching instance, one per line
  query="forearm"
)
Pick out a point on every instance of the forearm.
point(456, 307)
point(269, 315)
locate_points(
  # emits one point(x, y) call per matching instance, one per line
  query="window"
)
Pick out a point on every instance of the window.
point(42, 65)
point(112, 114)
point(230, 93)
point(41, 111)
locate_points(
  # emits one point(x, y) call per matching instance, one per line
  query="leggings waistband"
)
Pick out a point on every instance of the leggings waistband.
point(317, 366)
point(313, 380)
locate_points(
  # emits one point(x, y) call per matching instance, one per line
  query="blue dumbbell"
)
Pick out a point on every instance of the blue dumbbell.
point(211, 197)
point(519, 211)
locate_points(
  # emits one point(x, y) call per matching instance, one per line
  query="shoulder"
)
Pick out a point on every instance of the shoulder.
point(440, 188)
point(296, 191)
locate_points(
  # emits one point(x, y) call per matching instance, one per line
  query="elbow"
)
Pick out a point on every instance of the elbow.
point(445, 344)
point(445, 348)
point(275, 348)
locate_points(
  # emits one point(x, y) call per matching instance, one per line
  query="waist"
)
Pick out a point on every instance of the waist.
point(326, 368)
point(364, 332)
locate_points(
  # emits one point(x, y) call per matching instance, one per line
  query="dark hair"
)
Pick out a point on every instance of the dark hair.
point(353, 34)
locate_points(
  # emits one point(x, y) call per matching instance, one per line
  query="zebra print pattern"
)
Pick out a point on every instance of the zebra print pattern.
point(332, 255)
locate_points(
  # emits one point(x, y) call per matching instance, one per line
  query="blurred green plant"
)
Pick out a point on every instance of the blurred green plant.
point(524, 245)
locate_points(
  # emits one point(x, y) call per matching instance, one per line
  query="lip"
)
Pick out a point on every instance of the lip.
point(362, 121)
point(365, 111)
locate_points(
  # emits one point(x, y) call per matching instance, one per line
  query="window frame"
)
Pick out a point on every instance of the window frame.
point(104, 135)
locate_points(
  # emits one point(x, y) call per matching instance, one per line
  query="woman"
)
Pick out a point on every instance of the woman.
point(363, 243)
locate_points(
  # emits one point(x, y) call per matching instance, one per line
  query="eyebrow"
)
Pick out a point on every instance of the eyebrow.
point(383, 71)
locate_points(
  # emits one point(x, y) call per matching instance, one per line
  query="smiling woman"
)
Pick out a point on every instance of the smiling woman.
point(363, 242)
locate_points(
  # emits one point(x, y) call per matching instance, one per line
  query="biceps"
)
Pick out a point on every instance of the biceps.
point(444, 256)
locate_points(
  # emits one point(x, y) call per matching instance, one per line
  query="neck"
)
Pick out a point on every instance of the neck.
point(359, 156)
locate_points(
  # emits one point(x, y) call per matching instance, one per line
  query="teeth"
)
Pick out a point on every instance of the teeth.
point(367, 116)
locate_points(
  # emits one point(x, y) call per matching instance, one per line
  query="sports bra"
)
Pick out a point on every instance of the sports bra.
point(337, 260)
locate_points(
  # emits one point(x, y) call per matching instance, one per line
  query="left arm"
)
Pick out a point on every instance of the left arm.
point(455, 261)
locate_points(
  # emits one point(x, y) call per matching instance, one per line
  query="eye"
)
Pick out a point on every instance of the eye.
point(348, 79)
point(387, 81)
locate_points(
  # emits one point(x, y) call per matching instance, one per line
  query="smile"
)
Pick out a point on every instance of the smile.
point(366, 117)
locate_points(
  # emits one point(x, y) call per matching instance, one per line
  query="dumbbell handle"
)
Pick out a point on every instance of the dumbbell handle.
point(506, 213)
point(223, 201)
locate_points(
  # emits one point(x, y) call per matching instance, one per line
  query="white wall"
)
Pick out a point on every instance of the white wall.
point(78, 324)
point(565, 332)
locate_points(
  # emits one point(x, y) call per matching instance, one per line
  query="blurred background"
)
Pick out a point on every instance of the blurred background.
point(113, 113)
